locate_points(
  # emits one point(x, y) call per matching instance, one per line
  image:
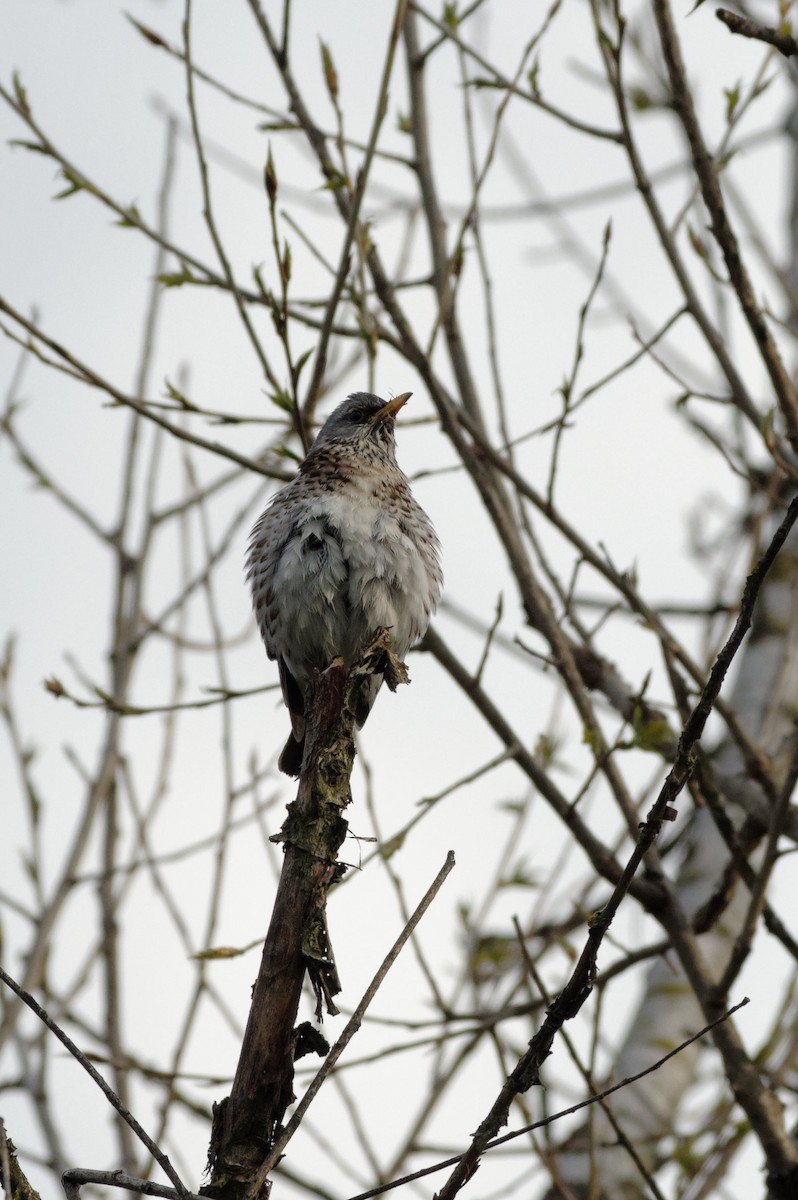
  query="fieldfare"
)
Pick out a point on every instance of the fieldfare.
point(341, 551)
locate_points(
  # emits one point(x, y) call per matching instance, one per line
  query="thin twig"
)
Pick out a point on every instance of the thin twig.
point(558, 1116)
point(785, 43)
point(354, 206)
point(611, 51)
point(587, 1075)
point(90, 377)
point(707, 174)
point(351, 1027)
point(74, 1179)
point(578, 988)
point(110, 1095)
point(208, 213)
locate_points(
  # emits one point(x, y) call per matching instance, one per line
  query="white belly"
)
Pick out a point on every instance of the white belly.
point(341, 587)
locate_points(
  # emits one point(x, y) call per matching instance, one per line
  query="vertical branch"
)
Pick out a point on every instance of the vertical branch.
point(611, 49)
point(247, 1122)
point(110, 963)
point(436, 226)
point(126, 623)
point(707, 176)
point(207, 208)
point(353, 216)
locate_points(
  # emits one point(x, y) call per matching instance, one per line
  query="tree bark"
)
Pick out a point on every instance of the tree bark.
point(246, 1122)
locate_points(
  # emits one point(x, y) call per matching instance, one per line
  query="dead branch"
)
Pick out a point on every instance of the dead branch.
point(247, 1122)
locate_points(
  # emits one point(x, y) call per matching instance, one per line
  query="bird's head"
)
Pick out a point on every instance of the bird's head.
point(363, 420)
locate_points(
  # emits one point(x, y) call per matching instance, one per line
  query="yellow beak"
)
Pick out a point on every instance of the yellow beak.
point(392, 407)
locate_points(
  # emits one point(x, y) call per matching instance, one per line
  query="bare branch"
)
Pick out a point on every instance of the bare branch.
point(785, 43)
point(107, 1091)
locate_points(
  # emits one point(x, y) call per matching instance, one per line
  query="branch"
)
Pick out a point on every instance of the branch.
point(87, 375)
point(13, 1180)
point(611, 52)
point(74, 1179)
point(207, 207)
point(246, 1124)
point(352, 1025)
point(784, 42)
point(544, 1122)
point(603, 860)
point(104, 1087)
point(353, 218)
point(708, 179)
point(578, 988)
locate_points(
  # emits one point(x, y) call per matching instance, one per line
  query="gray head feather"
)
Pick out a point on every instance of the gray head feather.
point(353, 417)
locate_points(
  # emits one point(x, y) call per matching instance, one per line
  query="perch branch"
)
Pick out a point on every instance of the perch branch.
point(247, 1123)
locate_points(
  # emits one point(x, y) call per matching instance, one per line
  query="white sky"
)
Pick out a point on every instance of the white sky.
point(631, 473)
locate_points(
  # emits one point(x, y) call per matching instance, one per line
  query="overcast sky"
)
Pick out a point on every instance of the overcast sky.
point(632, 475)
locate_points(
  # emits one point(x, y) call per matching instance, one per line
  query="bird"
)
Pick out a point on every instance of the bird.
point(343, 550)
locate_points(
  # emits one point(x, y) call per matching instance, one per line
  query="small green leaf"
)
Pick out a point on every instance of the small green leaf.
point(493, 952)
point(480, 82)
point(652, 731)
point(219, 952)
point(521, 877)
point(732, 100)
point(287, 453)
point(257, 275)
point(641, 99)
point(177, 278)
point(36, 147)
point(74, 184)
point(546, 749)
point(131, 219)
point(282, 400)
point(592, 738)
point(450, 17)
point(175, 394)
point(276, 126)
point(336, 180)
point(20, 94)
point(296, 370)
point(763, 86)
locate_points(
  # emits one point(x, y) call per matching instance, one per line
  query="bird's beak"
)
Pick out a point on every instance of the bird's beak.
point(392, 407)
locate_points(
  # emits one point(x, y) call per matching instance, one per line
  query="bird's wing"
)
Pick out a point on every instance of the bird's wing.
point(272, 532)
point(294, 700)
